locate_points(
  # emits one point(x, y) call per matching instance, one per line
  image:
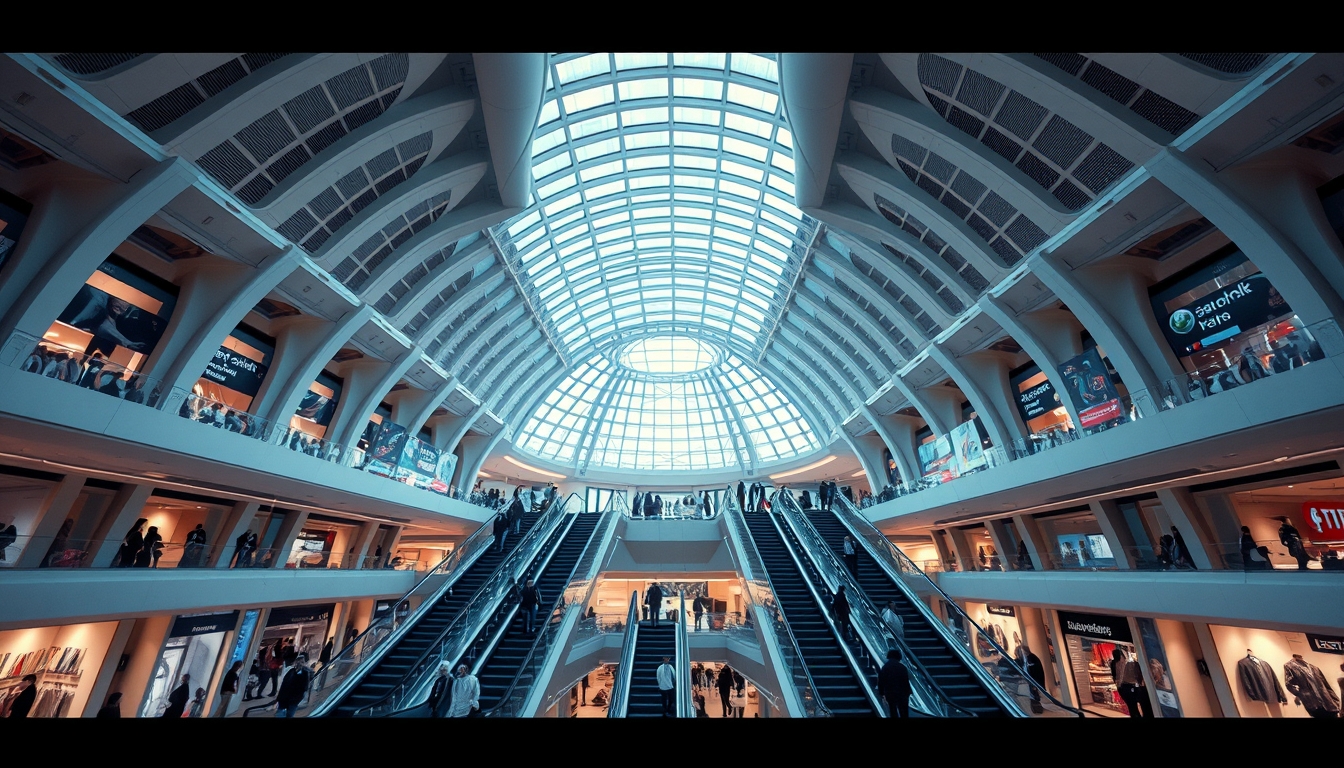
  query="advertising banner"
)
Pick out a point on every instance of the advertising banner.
point(1090, 388)
point(1112, 628)
point(1223, 313)
point(1167, 699)
point(1037, 401)
point(317, 408)
point(389, 443)
point(1324, 519)
point(114, 322)
point(967, 444)
point(937, 460)
point(236, 372)
point(203, 624)
point(1326, 643)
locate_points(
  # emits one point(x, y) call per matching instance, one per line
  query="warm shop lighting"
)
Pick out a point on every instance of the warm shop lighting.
point(531, 468)
point(801, 470)
point(482, 474)
point(860, 473)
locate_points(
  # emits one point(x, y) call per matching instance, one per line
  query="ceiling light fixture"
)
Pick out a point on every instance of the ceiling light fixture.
point(860, 473)
point(518, 463)
point(801, 470)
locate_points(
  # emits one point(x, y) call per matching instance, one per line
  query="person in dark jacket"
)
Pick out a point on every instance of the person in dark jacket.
point(1032, 664)
point(840, 610)
point(528, 602)
point(1182, 552)
point(724, 682)
point(501, 530)
point(194, 550)
point(440, 687)
point(24, 701)
point(229, 688)
point(293, 688)
point(1291, 539)
point(177, 700)
point(653, 598)
point(893, 684)
point(741, 496)
point(112, 708)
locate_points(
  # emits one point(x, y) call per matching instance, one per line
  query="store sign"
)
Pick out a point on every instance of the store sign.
point(1326, 643)
point(1037, 401)
point(299, 614)
point(1000, 610)
point(1221, 315)
point(235, 372)
point(207, 624)
point(1113, 628)
point(1090, 389)
point(1325, 519)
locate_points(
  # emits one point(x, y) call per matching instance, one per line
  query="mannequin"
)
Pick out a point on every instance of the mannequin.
point(1310, 688)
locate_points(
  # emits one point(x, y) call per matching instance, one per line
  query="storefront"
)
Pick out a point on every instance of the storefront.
point(1077, 540)
point(320, 543)
point(114, 322)
point(1090, 643)
point(235, 375)
point(1292, 526)
point(303, 627)
point(1038, 403)
point(1223, 318)
point(192, 648)
point(65, 659)
point(1274, 673)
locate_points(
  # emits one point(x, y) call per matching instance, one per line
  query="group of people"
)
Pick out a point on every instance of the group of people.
point(730, 685)
point(139, 548)
point(826, 494)
point(91, 372)
point(752, 498)
point(652, 505)
point(509, 520)
point(207, 411)
point(463, 696)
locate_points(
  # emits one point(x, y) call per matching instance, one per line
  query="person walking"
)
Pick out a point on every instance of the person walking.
point(294, 687)
point(194, 549)
point(741, 496)
point(23, 703)
point(893, 620)
point(840, 610)
point(466, 694)
point(893, 684)
point(1291, 539)
point(112, 708)
point(1183, 556)
point(851, 557)
point(198, 704)
point(131, 544)
point(177, 700)
point(698, 607)
point(501, 530)
point(583, 687)
point(1031, 663)
point(528, 603)
point(653, 599)
point(725, 685)
point(228, 688)
point(440, 687)
point(667, 685)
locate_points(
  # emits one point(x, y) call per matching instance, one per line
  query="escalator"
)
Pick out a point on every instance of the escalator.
point(392, 668)
point(652, 645)
point(504, 649)
point(833, 676)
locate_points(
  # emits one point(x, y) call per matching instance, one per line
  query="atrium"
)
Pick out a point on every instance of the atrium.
point(356, 346)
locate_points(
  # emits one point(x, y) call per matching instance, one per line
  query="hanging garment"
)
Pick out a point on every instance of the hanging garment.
point(1259, 681)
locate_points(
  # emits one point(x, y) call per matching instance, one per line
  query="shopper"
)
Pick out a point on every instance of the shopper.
point(725, 686)
point(667, 685)
point(112, 708)
point(698, 607)
point(194, 550)
point(1182, 554)
point(1291, 539)
point(27, 695)
point(147, 547)
point(198, 704)
point(294, 687)
point(840, 612)
point(893, 684)
point(528, 604)
point(177, 700)
point(501, 531)
point(240, 549)
point(583, 686)
point(653, 600)
point(1249, 547)
point(893, 620)
point(466, 694)
point(440, 687)
point(1031, 663)
point(228, 688)
point(851, 557)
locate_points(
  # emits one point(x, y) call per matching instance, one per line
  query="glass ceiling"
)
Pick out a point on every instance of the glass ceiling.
point(662, 207)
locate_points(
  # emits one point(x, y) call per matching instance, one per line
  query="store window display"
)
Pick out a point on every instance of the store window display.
point(1281, 674)
point(1107, 675)
point(192, 648)
point(65, 661)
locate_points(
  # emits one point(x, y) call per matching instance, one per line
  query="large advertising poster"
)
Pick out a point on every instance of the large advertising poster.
point(1090, 388)
point(317, 408)
point(386, 449)
point(118, 322)
point(1217, 317)
point(236, 372)
point(968, 446)
point(937, 460)
point(419, 461)
point(443, 474)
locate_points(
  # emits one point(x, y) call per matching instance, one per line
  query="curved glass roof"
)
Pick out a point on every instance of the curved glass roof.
point(660, 247)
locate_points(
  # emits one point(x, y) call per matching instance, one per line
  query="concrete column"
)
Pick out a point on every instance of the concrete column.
point(55, 509)
point(1024, 333)
point(945, 553)
point(1293, 274)
point(1063, 669)
point(890, 441)
point(1116, 530)
point(126, 507)
point(302, 350)
point(1222, 686)
point(63, 270)
point(220, 297)
point(961, 548)
point(238, 521)
point(984, 380)
point(1180, 506)
point(288, 533)
point(1037, 547)
point(448, 430)
point(347, 427)
point(363, 546)
point(901, 430)
point(475, 449)
point(414, 407)
point(103, 681)
point(998, 533)
point(868, 449)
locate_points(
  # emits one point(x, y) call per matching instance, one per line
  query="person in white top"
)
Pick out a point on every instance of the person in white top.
point(466, 694)
point(667, 685)
point(893, 620)
point(851, 557)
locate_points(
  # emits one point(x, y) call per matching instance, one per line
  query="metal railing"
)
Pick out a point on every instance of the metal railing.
point(1005, 680)
point(620, 687)
point(685, 706)
point(775, 630)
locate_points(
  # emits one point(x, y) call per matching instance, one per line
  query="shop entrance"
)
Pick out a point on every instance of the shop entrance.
point(1091, 642)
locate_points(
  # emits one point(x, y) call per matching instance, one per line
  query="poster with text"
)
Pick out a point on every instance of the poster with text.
point(1089, 386)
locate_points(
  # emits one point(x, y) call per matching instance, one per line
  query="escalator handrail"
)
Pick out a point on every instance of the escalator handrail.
point(685, 707)
point(733, 513)
point(851, 520)
point(601, 531)
point(455, 563)
point(534, 539)
point(619, 703)
point(854, 664)
point(860, 597)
